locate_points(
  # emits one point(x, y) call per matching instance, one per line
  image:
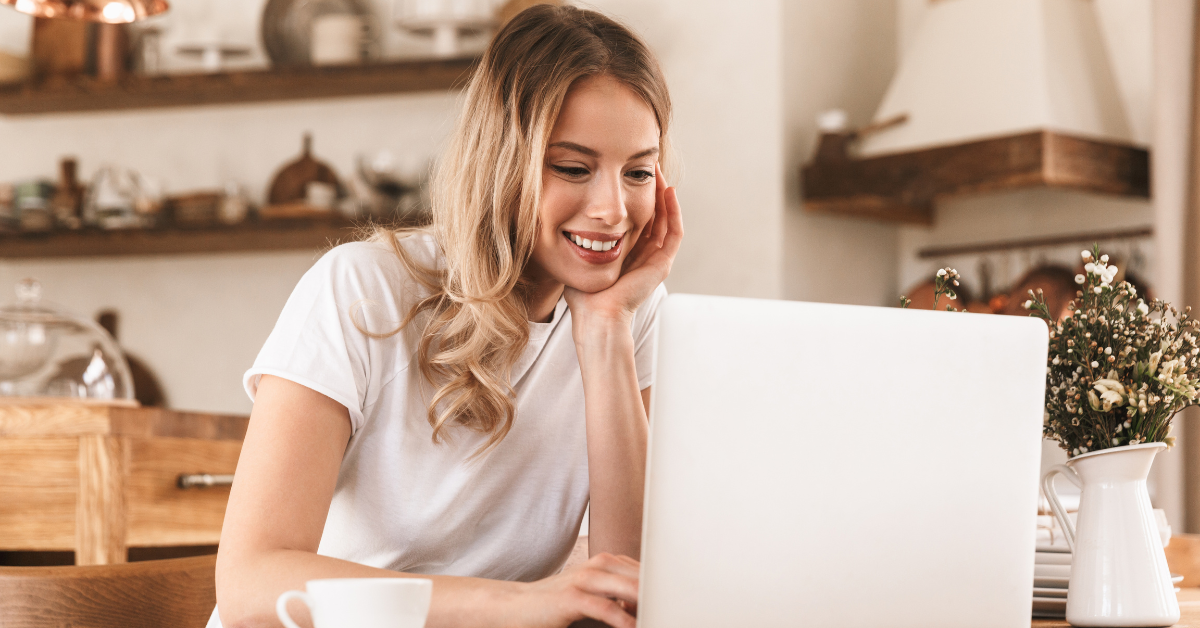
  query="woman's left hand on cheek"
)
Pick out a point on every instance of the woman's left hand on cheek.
point(646, 266)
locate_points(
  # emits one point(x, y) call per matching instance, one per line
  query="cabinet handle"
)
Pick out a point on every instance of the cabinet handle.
point(203, 480)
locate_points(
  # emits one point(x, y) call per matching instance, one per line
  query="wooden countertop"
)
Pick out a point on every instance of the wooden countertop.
point(1189, 612)
point(41, 418)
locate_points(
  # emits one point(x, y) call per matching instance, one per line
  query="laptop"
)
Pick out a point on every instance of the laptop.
point(831, 465)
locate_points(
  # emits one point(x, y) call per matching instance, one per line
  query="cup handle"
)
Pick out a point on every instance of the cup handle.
point(1056, 506)
point(281, 606)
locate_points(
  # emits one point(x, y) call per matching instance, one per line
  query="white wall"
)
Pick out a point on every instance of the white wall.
point(724, 68)
point(837, 55)
point(199, 320)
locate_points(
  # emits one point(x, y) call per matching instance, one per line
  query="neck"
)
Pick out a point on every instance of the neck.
point(542, 299)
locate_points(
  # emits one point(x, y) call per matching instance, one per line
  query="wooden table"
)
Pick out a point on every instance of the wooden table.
point(97, 479)
point(1189, 612)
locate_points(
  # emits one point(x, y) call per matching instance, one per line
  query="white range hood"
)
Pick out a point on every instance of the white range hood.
point(993, 95)
point(976, 69)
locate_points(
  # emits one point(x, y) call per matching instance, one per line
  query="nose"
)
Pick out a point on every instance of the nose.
point(607, 202)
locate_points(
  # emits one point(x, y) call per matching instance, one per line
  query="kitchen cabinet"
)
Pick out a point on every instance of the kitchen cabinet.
point(98, 479)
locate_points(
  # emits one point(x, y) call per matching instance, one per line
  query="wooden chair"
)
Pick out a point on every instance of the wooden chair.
point(178, 592)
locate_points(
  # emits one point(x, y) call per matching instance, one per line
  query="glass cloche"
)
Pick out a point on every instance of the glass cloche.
point(46, 351)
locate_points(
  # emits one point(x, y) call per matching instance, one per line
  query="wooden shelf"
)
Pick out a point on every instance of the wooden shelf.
point(255, 236)
point(902, 187)
point(136, 92)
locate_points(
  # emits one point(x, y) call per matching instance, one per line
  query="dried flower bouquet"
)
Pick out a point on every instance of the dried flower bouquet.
point(1119, 368)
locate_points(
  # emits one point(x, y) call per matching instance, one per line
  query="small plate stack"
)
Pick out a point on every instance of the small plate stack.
point(1051, 573)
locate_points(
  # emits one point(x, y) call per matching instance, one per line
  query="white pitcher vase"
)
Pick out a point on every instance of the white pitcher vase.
point(1119, 574)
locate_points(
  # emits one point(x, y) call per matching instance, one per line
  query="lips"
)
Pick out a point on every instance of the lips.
point(595, 248)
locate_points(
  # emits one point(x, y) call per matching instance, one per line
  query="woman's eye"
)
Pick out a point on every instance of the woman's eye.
point(640, 175)
point(570, 171)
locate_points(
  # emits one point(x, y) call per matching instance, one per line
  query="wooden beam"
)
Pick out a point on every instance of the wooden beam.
point(180, 90)
point(903, 187)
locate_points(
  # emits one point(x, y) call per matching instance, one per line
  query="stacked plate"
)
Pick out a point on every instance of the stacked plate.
point(1051, 573)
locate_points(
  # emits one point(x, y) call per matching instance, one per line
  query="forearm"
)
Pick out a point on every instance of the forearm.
point(248, 585)
point(617, 432)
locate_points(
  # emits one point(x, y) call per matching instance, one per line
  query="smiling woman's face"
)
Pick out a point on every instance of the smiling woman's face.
point(597, 185)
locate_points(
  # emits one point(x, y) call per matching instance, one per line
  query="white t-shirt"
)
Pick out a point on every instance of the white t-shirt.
point(401, 501)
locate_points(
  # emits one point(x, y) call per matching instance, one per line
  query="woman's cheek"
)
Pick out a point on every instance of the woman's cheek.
point(642, 211)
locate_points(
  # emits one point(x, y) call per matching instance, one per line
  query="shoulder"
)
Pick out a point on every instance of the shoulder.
point(373, 269)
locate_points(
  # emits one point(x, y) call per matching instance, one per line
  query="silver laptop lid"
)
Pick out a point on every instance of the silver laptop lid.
point(826, 465)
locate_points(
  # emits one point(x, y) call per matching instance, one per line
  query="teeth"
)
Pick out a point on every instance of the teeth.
point(594, 245)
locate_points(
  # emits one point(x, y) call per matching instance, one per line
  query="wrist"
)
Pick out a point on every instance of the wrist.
point(605, 333)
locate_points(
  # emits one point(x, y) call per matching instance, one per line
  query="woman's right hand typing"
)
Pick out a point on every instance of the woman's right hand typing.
point(605, 589)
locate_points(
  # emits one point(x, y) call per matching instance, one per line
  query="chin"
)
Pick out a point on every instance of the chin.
point(592, 284)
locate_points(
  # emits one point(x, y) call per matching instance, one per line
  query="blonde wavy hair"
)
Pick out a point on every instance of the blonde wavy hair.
point(485, 198)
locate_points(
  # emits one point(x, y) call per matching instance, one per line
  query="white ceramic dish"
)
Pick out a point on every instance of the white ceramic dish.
point(1052, 558)
point(1049, 604)
point(1051, 582)
point(1055, 571)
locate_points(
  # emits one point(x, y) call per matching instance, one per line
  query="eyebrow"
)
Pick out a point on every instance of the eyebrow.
point(591, 152)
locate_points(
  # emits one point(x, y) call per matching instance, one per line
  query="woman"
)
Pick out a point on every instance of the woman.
point(446, 402)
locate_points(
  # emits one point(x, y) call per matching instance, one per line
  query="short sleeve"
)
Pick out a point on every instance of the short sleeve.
point(316, 342)
point(645, 328)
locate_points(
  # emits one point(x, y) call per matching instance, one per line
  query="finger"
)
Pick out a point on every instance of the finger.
point(636, 252)
point(607, 611)
point(657, 231)
point(607, 584)
point(673, 234)
point(660, 199)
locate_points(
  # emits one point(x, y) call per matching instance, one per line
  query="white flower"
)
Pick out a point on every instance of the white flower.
point(1029, 305)
point(1107, 350)
point(1116, 441)
point(1104, 258)
point(1090, 267)
point(1143, 309)
point(1097, 289)
point(1055, 361)
point(1086, 254)
point(1095, 365)
point(941, 272)
point(1079, 279)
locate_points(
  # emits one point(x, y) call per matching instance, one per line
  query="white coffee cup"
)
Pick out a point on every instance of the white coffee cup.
point(362, 602)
